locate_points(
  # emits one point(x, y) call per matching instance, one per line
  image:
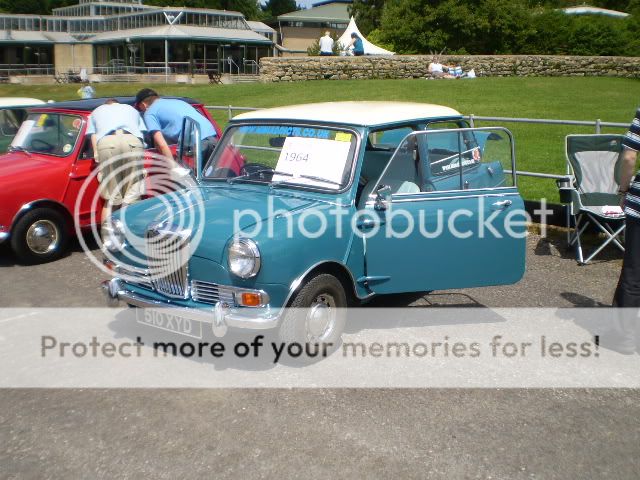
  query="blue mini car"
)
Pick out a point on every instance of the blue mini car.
point(315, 208)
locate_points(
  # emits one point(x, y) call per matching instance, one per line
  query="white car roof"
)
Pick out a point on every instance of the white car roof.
point(352, 113)
point(19, 102)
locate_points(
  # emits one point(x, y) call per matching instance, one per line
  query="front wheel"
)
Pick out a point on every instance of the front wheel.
point(315, 319)
point(40, 236)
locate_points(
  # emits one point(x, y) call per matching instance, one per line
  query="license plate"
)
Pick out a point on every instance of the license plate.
point(169, 322)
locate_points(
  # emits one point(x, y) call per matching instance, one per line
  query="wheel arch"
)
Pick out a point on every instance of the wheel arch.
point(336, 269)
point(44, 203)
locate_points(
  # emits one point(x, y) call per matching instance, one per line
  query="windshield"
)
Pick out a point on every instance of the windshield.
point(284, 155)
point(50, 133)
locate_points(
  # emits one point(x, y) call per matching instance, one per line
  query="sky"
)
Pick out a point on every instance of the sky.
point(302, 3)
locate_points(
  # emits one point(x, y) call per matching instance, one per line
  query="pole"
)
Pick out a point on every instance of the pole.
point(166, 61)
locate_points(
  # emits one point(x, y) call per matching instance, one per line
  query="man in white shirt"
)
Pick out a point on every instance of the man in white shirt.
point(436, 69)
point(117, 140)
point(326, 45)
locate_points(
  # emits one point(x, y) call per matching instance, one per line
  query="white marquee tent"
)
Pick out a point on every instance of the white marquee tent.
point(369, 48)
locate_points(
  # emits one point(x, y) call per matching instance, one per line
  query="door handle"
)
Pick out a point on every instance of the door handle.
point(501, 205)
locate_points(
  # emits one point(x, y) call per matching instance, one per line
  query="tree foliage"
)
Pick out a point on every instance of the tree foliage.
point(504, 27)
point(273, 8)
point(367, 14)
point(459, 26)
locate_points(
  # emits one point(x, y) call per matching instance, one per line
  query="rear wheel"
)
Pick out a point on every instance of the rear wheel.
point(315, 318)
point(40, 236)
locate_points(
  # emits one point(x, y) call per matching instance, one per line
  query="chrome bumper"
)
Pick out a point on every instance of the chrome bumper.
point(218, 317)
point(4, 236)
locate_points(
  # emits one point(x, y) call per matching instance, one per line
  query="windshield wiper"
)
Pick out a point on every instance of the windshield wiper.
point(308, 177)
point(16, 148)
point(251, 174)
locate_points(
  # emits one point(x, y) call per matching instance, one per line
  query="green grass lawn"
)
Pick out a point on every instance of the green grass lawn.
point(539, 148)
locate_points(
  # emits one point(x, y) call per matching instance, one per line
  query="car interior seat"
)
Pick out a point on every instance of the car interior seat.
point(402, 175)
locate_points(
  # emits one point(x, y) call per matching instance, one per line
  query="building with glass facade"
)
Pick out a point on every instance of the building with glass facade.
point(125, 36)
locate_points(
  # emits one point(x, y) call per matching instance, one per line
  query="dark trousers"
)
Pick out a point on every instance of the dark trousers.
point(626, 324)
point(628, 291)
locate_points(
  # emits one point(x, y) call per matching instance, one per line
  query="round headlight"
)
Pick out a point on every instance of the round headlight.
point(244, 258)
point(113, 235)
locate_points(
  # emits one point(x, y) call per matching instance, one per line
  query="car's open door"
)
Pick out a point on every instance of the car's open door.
point(188, 166)
point(445, 214)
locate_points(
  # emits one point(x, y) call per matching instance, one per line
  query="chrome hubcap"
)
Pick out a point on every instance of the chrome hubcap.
point(321, 318)
point(43, 236)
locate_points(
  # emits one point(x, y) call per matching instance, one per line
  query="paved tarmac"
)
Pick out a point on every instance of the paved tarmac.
point(367, 433)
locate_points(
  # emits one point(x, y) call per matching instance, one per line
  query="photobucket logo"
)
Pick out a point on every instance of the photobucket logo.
point(480, 217)
point(153, 242)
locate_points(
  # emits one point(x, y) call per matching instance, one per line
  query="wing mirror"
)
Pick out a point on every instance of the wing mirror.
point(383, 197)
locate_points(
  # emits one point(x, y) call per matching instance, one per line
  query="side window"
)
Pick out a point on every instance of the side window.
point(387, 139)
point(466, 159)
point(8, 123)
point(493, 162)
point(403, 173)
point(380, 148)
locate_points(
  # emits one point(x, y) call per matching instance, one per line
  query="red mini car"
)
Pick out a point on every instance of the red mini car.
point(41, 176)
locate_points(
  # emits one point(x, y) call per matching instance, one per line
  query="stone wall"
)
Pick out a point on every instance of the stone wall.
point(289, 69)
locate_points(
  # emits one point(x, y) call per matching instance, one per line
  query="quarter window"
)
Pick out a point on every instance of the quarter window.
point(388, 139)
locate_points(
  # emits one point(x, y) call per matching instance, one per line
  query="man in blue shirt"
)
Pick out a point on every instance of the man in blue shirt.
point(164, 116)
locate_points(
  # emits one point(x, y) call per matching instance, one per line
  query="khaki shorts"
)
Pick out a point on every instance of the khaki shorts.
point(120, 168)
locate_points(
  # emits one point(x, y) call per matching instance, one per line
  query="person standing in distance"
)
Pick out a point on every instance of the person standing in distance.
point(326, 45)
point(164, 117)
point(116, 136)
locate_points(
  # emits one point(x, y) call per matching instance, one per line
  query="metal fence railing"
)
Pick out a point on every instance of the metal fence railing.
point(35, 69)
point(596, 124)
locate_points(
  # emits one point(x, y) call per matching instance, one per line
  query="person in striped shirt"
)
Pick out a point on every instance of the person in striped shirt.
point(625, 331)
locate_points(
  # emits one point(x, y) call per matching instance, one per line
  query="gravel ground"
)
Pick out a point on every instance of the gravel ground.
point(500, 434)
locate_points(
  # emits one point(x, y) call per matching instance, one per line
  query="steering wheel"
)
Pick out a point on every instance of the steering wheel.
point(249, 168)
point(223, 173)
point(48, 147)
point(252, 168)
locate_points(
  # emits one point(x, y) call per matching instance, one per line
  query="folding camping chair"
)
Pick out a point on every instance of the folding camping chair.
point(592, 198)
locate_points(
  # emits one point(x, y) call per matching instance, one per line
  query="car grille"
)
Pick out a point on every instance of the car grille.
point(137, 278)
point(211, 293)
point(167, 256)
